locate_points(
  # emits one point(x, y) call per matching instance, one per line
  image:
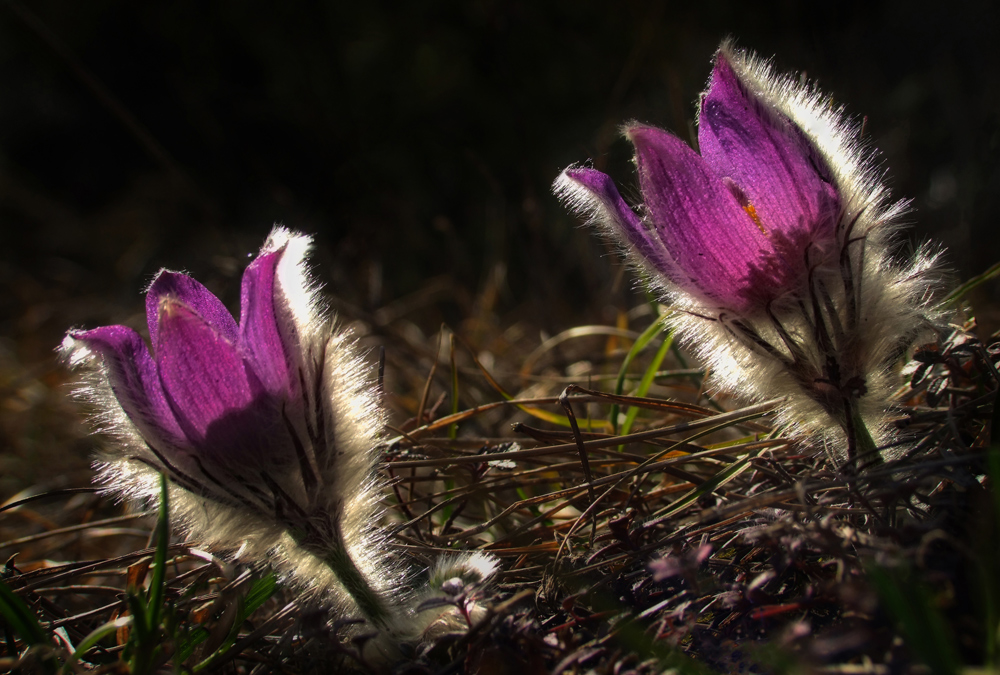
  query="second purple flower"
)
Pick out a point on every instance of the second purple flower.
point(773, 244)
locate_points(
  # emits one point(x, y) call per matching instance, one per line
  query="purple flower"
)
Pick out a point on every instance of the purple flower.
point(774, 246)
point(266, 428)
point(739, 224)
point(212, 391)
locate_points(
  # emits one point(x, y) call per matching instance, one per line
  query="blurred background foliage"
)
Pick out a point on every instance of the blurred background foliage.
point(418, 142)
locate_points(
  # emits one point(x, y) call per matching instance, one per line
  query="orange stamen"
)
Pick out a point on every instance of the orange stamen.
point(752, 212)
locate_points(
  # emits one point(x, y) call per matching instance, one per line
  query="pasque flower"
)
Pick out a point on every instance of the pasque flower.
point(266, 429)
point(774, 244)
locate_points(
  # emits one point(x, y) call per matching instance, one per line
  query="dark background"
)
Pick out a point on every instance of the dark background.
point(418, 141)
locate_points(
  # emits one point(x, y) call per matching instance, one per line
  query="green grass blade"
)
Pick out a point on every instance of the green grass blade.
point(972, 283)
point(643, 340)
point(713, 483)
point(147, 607)
point(137, 607)
point(923, 626)
point(260, 591)
point(191, 640)
point(157, 584)
point(20, 618)
point(93, 638)
point(647, 381)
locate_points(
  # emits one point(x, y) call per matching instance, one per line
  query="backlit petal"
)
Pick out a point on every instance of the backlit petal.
point(773, 163)
point(203, 374)
point(594, 191)
point(713, 241)
point(135, 382)
point(193, 294)
point(260, 335)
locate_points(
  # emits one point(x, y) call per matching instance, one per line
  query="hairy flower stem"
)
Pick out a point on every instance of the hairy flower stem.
point(371, 604)
point(860, 444)
point(864, 443)
point(329, 545)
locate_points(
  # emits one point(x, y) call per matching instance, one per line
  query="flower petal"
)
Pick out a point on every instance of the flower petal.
point(202, 372)
point(593, 192)
point(774, 164)
point(135, 382)
point(261, 339)
point(712, 240)
point(300, 316)
point(193, 294)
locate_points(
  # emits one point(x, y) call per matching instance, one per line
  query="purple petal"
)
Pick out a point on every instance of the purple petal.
point(195, 296)
point(135, 383)
point(260, 335)
point(202, 372)
point(713, 241)
point(618, 214)
point(776, 167)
